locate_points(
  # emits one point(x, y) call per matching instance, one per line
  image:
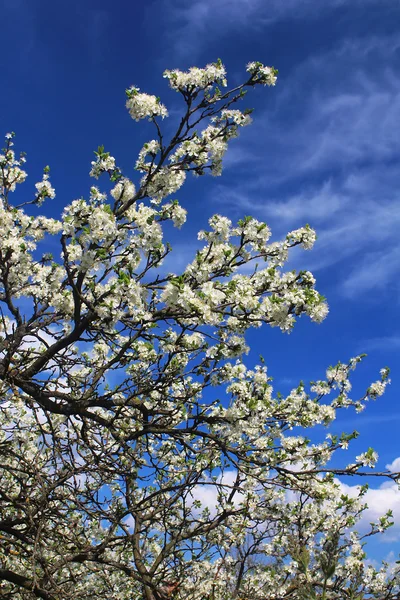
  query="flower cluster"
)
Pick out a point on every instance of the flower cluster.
point(151, 149)
point(44, 188)
point(11, 172)
point(197, 78)
point(124, 190)
point(142, 106)
point(104, 163)
point(262, 74)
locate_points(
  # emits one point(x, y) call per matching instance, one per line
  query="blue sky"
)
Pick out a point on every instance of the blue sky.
point(323, 150)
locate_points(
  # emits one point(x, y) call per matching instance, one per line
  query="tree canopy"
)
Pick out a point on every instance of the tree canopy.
point(141, 456)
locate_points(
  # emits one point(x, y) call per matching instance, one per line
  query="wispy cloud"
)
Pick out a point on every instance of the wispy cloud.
point(86, 26)
point(341, 152)
point(391, 342)
point(22, 15)
point(191, 20)
point(93, 27)
point(321, 203)
point(332, 113)
point(376, 271)
point(352, 220)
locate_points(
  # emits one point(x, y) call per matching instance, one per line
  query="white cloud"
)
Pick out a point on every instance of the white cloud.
point(394, 466)
point(208, 493)
point(379, 500)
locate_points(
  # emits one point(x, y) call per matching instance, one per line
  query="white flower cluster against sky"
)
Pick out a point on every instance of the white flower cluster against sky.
point(323, 149)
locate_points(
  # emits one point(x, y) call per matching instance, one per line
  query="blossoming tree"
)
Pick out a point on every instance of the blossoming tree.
point(140, 457)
